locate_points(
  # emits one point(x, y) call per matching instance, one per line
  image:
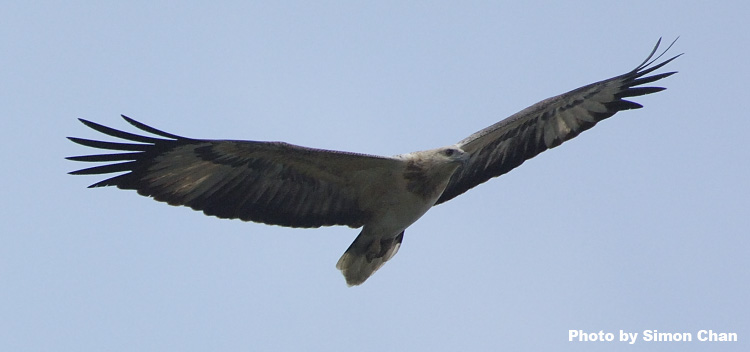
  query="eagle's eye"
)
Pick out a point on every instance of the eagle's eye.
point(449, 152)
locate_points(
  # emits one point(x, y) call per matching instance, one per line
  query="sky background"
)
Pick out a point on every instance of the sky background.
point(639, 224)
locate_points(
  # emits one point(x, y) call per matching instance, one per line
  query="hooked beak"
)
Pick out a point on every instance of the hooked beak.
point(465, 157)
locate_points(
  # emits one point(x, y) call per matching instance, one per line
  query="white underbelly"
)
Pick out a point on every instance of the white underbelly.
point(396, 215)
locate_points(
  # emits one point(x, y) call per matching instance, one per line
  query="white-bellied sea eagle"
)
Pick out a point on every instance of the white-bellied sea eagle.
point(282, 184)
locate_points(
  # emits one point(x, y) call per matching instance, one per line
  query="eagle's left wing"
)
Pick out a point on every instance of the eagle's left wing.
point(270, 182)
point(505, 145)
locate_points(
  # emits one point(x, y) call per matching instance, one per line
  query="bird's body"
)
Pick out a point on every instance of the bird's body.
point(283, 184)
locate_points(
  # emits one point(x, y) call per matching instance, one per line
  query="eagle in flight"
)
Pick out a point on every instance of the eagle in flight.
point(283, 184)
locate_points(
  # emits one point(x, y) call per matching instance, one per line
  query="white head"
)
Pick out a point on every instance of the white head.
point(427, 172)
point(452, 154)
point(439, 156)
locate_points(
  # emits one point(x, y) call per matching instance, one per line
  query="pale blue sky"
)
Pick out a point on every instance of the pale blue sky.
point(641, 223)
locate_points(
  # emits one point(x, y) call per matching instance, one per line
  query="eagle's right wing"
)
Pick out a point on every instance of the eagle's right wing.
point(505, 145)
